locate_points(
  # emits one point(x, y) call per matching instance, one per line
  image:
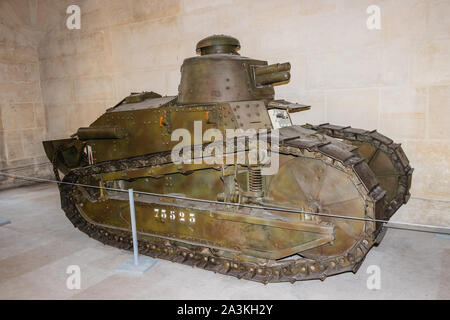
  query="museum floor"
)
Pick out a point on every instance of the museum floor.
point(40, 243)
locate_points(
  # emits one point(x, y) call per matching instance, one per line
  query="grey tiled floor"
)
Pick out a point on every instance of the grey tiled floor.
point(40, 243)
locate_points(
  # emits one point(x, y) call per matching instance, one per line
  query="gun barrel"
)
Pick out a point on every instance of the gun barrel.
point(277, 67)
point(93, 133)
point(272, 78)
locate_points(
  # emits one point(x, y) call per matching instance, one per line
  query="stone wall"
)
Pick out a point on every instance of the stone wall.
point(396, 79)
point(22, 114)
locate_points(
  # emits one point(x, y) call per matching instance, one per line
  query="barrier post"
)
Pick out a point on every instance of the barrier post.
point(135, 265)
point(133, 227)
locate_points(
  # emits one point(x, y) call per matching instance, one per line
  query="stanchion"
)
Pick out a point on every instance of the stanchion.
point(4, 222)
point(133, 227)
point(135, 265)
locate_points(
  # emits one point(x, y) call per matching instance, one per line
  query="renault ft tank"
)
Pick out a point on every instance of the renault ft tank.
point(317, 214)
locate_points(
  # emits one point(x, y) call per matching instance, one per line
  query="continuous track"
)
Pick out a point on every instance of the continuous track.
point(382, 144)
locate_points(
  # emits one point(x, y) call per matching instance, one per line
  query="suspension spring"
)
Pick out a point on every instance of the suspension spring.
point(255, 180)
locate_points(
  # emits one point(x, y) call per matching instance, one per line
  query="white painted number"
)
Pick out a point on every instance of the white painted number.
point(173, 215)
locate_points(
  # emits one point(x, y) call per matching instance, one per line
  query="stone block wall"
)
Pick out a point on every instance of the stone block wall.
point(22, 113)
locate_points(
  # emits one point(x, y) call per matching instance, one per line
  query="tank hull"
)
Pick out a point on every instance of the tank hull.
point(225, 182)
point(270, 241)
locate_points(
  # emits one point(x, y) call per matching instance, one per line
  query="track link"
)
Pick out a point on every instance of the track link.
point(383, 143)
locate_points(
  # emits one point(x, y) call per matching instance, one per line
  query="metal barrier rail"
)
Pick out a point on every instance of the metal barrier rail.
point(387, 224)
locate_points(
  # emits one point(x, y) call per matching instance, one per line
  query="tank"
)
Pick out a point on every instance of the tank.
point(225, 182)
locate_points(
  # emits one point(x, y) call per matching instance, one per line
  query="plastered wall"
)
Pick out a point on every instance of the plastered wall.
point(22, 113)
point(396, 79)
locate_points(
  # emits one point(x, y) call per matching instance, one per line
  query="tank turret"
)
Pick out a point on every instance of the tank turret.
point(220, 74)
